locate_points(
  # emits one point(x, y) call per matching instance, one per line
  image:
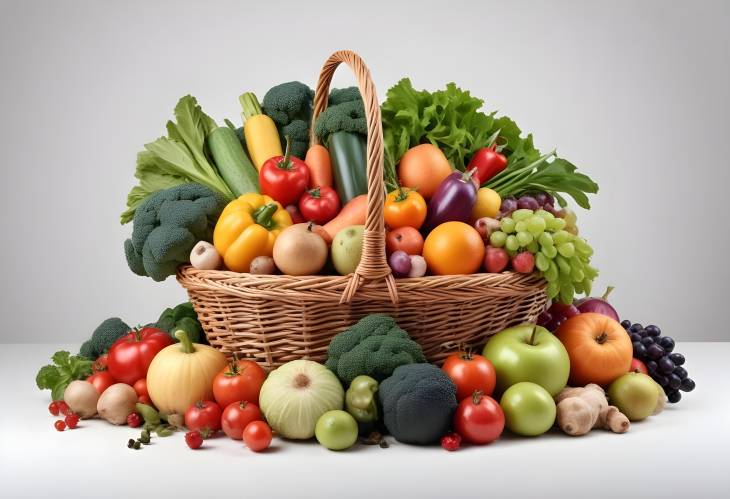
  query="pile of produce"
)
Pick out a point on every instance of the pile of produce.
point(375, 382)
point(467, 193)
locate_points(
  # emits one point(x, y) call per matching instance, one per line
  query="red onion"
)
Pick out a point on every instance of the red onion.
point(598, 305)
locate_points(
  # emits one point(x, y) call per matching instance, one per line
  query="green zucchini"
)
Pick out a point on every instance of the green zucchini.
point(348, 153)
point(233, 165)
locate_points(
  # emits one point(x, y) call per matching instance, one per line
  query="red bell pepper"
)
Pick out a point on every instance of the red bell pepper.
point(488, 161)
point(284, 178)
point(319, 205)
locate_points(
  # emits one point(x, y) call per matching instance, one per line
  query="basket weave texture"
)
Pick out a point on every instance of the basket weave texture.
point(277, 318)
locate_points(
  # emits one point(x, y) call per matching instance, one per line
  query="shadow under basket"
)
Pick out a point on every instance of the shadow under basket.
point(274, 319)
point(277, 318)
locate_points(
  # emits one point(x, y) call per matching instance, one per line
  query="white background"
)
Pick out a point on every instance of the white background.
point(635, 93)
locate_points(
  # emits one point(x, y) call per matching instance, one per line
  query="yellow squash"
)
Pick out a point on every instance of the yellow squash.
point(182, 374)
point(262, 137)
point(247, 228)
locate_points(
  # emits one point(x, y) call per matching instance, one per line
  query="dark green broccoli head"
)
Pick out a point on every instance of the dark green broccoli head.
point(418, 403)
point(345, 116)
point(103, 337)
point(340, 95)
point(183, 317)
point(290, 106)
point(374, 346)
point(166, 227)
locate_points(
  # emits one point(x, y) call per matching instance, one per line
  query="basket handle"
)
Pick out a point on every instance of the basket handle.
point(373, 264)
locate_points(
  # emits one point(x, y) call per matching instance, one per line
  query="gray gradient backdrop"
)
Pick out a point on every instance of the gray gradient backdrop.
point(635, 93)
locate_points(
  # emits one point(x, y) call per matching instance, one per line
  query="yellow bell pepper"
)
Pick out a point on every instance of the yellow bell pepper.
point(247, 228)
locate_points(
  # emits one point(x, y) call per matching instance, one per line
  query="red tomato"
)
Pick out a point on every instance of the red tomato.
point(101, 381)
point(237, 416)
point(284, 178)
point(203, 416)
point(257, 436)
point(100, 364)
point(319, 205)
point(239, 380)
point(140, 386)
point(405, 239)
point(470, 372)
point(194, 439)
point(130, 356)
point(479, 419)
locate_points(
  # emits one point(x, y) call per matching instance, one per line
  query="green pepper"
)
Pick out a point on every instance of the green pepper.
point(360, 399)
point(348, 151)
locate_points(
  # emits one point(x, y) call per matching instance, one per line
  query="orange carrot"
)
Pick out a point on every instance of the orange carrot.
point(320, 168)
point(353, 213)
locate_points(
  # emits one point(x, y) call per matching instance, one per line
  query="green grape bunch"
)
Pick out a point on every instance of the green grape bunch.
point(563, 258)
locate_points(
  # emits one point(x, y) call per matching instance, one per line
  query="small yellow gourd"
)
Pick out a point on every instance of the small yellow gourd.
point(182, 374)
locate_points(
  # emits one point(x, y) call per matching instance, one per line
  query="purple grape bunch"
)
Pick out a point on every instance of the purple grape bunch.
point(665, 365)
point(534, 202)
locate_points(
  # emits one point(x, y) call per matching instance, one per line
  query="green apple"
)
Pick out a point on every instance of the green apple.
point(529, 409)
point(336, 430)
point(347, 249)
point(528, 353)
point(635, 394)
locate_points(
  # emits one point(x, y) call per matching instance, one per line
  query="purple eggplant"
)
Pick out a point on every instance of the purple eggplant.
point(453, 201)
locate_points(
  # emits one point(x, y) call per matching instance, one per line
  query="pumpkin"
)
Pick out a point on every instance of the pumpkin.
point(598, 347)
point(182, 374)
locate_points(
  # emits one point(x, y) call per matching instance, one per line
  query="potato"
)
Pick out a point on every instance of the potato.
point(116, 403)
point(81, 397)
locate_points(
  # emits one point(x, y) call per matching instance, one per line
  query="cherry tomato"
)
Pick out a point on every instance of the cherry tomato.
point(451, 441)
point(63, 408)
point(72, 421)
point(145, 399)
point(100, 364)
point(140, 386)
point(404, 208)
point(101, 381)
point(134, 420)
point(479, 419)
point(53, 408)
point(319, 205)
point(237, 415)
point(406, 239)
point(239, 380)
point(203, 416)
point(59, 425)
point(257, 436)
point(470, 372)
point(130, 356)
point(194, 439)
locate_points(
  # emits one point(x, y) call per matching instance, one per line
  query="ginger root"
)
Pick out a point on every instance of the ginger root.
point(582, 409)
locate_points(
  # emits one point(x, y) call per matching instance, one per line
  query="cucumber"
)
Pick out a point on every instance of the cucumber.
point(233, 165)
point(349, 170)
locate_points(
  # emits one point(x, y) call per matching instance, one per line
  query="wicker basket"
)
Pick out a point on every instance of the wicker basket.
point(277, 318)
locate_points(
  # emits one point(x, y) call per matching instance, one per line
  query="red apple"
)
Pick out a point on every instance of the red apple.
point(496, 259)
point(638, 366)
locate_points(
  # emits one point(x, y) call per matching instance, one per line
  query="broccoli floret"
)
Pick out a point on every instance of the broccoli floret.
point(166, 227)
point(290, 106)
point(374, 346)
point(103, 336)
point(340, 95)
point(182, 317)
point(345, 113)
point(418, 402)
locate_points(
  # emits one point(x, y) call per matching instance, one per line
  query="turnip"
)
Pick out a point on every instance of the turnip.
point(204, 256)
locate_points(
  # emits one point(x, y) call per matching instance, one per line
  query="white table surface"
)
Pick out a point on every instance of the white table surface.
point(682, 452)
